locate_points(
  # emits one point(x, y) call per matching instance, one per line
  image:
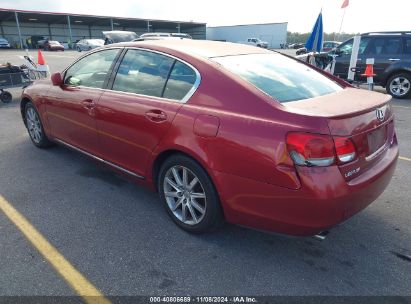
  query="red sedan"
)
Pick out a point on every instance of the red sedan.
point(223, 132)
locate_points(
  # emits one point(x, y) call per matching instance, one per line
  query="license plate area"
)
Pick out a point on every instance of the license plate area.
point(377, 139)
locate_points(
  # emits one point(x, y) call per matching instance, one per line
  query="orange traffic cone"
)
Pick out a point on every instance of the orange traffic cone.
point(369, 71)
point(42, 68)
point(40, 59)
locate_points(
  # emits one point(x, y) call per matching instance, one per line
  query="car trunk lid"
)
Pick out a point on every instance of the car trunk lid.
point(363, 116)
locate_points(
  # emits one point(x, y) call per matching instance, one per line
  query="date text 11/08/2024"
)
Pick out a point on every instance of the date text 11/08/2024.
point(189, 299)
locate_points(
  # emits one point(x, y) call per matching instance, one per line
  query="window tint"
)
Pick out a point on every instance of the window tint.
point(91, 71)
point(384, 46)
point(182, 79)
point(346, 48)
point(143, 72)
point(408, 42)
point(280, 77)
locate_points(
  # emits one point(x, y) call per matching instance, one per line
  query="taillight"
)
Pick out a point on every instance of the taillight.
point(308, 149)
point(311, 149)
point(345, 149)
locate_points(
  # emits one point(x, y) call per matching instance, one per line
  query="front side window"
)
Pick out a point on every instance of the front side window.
point(143, 72)
point(346, 48)
point(282, 78)
point(91, 71)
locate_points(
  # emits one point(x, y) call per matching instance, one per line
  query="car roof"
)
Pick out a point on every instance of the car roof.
point(201, 48)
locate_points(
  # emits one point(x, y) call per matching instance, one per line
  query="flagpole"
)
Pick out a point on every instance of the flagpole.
point(342, 21)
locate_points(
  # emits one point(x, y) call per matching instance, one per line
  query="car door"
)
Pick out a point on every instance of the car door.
point(386, 51)
point(136, 114)
point(71, 106)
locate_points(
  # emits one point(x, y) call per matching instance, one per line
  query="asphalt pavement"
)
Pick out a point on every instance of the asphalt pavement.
point(117, 235)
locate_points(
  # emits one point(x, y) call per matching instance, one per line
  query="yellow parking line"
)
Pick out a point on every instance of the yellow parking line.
point(405, 158)
point(73, 277)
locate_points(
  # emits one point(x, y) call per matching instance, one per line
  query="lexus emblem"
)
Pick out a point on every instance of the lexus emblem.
point(380, 114)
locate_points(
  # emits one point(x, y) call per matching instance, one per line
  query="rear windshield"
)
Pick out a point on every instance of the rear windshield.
point(282, 78)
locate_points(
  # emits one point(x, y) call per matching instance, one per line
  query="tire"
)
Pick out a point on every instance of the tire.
point(78, 49)
point(6, 97)
point(35, 127)
point(399, 85)
point(198, 214)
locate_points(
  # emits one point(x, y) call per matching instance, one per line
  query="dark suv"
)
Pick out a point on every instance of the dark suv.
point(392, 54)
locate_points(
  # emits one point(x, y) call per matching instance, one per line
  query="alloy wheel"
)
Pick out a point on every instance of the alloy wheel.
point(185, 195)
point(33, 125)
point(400, 86)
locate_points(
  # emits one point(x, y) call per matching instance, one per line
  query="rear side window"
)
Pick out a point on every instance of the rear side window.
point(408, 42)
point(182, 79)
point(384, 46)
point(282, 78)
point(143, 72)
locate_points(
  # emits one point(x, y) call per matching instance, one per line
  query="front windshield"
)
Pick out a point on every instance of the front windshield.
point(282, 78)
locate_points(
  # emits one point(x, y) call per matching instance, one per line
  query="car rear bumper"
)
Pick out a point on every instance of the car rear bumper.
point(324, 200)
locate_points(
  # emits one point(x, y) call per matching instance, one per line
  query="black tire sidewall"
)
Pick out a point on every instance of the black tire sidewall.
point(405, 75)
point(213, 216)
point(6, 97)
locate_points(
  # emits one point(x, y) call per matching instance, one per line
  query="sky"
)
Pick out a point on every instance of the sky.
point(360, 16)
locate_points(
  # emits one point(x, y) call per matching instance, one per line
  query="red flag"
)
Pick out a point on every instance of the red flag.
point(345, 4)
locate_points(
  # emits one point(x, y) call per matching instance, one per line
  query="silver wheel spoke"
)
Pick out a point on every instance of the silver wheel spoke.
point(183, 213)
point(176, 176)
point(197, 206)
point(172, 194)
point(193, 213)
point(178, 204)
point(172, 184)
point(185, 183)
point(193, 183)
point(197, 195)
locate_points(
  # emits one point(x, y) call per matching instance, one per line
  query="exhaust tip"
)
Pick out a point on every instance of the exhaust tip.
point(321, 236)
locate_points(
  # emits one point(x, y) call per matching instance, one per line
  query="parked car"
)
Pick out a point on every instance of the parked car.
point(392, 54)
point(118, 36)
point(4, 44)
point(158, 34)
point(52, 45)
point(296, 46)
point(89, 44)
point(37, 41)
point(327, 46)
point(222, 131)
point(256, 42)
point(330, 45)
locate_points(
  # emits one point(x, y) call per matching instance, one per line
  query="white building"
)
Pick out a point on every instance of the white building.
point(273, 33)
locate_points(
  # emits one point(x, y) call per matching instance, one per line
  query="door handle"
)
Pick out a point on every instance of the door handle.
point(394, 59)
point(156, 115)
point(88, 103)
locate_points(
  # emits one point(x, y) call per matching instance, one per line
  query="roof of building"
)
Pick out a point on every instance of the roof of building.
point(54, 17)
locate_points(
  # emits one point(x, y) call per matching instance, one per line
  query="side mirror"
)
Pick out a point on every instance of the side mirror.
point(337, 52)
point(57, 79)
